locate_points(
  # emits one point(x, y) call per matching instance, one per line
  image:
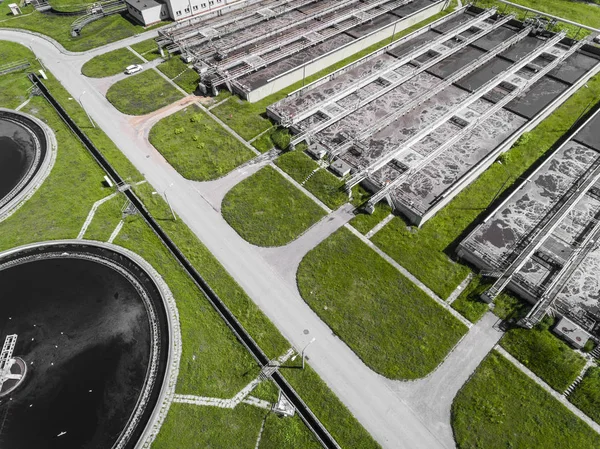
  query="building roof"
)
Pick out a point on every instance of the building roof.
point(143, 5)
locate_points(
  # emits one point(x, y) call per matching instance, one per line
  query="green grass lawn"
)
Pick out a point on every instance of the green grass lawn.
point(267, 210)
point(328, 408)
point(15, 85)
point(421, 251)
point(500, 407)
point(249, 119)
point(364, 222)
point(264, 142)
point(100, 32)
point(586, 395)
point(203, 427)
point(424, 251)
point(109, 64)
point(391, 324)
point(142, 93)
point(324, 185)
point(197, 146)
point(469, 303)
point(180, 73)
point(221, 367)
point(148, 49)
point(544, 354)
point(105, 219)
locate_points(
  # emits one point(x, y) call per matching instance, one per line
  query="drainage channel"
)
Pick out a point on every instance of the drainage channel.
point(311, 421)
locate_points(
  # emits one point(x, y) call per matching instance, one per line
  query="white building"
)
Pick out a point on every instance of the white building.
point(149, 12)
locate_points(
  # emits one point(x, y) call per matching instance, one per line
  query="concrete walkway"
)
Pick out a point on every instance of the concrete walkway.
point(431, 398)
point(285, 259)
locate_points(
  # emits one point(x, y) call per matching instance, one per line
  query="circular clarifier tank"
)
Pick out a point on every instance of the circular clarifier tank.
point(27, 153)
point(95, 329)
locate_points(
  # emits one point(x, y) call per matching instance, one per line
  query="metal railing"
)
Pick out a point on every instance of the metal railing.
point(476, 95)
point(421, 163)
point(443, 53)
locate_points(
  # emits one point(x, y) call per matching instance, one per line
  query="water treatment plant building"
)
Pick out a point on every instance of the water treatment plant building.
point(542, 241)
point(268, 45)
point(421, 118)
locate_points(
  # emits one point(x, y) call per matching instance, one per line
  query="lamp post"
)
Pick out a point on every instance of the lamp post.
point(307, 345)
point(167, 200)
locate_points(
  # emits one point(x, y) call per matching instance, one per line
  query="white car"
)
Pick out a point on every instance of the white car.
point(134, 68)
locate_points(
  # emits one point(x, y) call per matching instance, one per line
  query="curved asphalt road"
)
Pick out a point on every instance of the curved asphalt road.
point(370, 397)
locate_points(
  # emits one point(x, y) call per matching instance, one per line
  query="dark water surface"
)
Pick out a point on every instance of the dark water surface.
point(83, 331)
point(17, 151)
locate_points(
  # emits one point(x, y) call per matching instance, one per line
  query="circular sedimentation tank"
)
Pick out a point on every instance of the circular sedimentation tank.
point(27, 153)
point(97, 330)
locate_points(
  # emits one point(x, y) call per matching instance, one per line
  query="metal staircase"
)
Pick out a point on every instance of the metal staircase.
point(588, 244)
point(6, 356)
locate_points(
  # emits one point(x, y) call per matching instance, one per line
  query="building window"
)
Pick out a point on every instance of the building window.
point(219, 1)
point(178, 13)
point(187, 9)
point(204, 5)
point(211, 3)
point(195, 7)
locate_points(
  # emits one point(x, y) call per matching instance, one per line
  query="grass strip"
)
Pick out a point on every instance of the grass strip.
point(578, 11)
point(586, 395)
point(264, 142)
point(267, 210)
point(109, 64)
point(197, 146)
point(322, 184)
point(393, 326)
point(142, 93)
point(469, 303)
point(544, 354)
point(364, 222)
point(180, 73)
point(106, 219)
point(148, 49)
point(500, 407)
point(189, 426)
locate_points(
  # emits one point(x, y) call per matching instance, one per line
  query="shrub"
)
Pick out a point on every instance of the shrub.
point(281, 138)
point(589, 346)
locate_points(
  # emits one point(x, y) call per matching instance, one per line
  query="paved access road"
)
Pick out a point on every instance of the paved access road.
point(383, 410)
